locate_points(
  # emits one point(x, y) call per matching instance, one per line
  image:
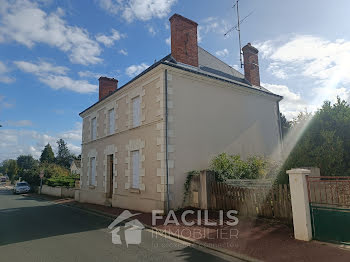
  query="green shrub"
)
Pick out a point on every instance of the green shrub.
point(62, 181)
point(227, 166)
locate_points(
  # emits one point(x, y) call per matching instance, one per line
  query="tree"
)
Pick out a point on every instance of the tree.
point(47, 155)
point(64, 157)
point(26, 162)
point(324, 142)
point(10, 168)
point(285, 125)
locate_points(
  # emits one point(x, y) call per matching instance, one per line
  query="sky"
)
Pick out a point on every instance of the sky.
point(53, 52)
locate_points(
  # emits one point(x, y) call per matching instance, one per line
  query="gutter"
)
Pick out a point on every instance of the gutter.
point(166, 138)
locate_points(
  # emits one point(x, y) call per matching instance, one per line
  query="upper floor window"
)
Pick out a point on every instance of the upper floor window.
point(111, 121)
point(136, 111)
point(93, 128)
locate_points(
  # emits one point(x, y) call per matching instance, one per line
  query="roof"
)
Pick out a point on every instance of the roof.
point(77, 163)
point(208, 65)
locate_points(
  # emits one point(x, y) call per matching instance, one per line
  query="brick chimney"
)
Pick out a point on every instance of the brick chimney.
point(184, 45)
point(106, 86)
point(251, 64)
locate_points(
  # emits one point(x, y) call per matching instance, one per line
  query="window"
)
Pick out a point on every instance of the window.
point(93, 128)
point(136, 111)
point(111, 119)
point(135, 168)
point(92, 171)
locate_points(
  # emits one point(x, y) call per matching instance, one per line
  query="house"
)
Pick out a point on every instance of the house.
point(75, 167)
point(140, 140)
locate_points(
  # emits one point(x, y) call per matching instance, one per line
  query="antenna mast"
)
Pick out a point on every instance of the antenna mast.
point(239, 35)
point(238, 28)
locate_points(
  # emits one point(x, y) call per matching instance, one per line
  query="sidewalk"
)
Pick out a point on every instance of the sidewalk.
point(259, 239)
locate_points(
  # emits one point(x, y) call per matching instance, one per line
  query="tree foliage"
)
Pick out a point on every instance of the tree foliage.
point(47, 155)
point(227, 166)
point(9, 167)
point(325, 143)
point(25, 162)
point(285, 125)
point(64, 157)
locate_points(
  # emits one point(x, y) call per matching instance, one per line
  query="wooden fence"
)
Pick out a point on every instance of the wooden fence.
point(269, 202)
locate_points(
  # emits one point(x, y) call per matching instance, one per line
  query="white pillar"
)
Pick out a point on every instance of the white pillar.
point(300, 203)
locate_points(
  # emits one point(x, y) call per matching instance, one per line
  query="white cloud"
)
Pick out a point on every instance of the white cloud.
point(15, 142)
point(151, 30)
point(138, 9)
point(109, 40)
point(135, 69)
point(212, 25)
point(74, 134)
point(291, 104)
point(24, 22)
point(89, 74)
point(3, 77)
point(123, 52)
point(55, 77)
point(20, 123)
point(322, 65)
point(222, 53)
point(41, 68)
point(315, 57)
point(168, 41)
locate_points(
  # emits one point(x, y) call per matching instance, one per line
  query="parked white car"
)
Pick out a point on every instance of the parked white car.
point(21, 187)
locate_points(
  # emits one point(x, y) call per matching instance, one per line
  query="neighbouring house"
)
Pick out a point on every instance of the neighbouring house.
point(75, 166)
point(140, 140)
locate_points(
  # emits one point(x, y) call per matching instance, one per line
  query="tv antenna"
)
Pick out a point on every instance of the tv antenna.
point(238, 28)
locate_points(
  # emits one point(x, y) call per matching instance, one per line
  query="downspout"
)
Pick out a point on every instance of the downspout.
point(166, 138)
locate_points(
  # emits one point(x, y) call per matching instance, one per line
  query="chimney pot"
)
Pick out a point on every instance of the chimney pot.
point(184, 43)
point(106, 86)
point(251, 64)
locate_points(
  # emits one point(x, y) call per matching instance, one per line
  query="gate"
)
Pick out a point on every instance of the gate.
point(330, 208)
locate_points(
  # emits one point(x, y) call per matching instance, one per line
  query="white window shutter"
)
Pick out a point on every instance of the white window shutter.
point(136, 111)
point(135, 169)
point(93, 128)
point(111, 121)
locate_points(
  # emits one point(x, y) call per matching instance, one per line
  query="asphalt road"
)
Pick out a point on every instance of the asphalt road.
point(38, 230)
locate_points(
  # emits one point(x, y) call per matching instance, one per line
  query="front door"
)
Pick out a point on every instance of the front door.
point(110, 175)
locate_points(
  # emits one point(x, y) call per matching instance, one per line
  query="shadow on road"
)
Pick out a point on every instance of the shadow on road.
point(35, 218)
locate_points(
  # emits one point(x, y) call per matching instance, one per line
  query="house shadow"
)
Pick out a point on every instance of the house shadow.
point(41, 220)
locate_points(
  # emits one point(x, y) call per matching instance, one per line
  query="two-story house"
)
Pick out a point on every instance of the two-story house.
point(140, 140)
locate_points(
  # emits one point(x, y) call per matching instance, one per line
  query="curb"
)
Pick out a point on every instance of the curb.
point(166, 233)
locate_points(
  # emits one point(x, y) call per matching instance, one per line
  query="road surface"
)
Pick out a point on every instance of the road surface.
point(38, 230)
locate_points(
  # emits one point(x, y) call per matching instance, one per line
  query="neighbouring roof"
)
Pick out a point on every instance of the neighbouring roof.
point(77, 163)
point(208, 65)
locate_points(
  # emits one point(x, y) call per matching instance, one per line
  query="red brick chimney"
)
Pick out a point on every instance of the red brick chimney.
point(184, 45)
point(106, 86)
point(251, 64)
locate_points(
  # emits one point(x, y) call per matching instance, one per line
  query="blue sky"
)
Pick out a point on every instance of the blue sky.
point(52, 53)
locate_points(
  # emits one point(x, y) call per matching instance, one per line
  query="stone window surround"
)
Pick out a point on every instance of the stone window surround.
point(110, 106)
point(110, 150)
point(92, 153)
point(92, 116)
point(137, 91)
point(135, 144)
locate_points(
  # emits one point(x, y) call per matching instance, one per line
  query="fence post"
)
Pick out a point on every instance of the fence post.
point(300, 203)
